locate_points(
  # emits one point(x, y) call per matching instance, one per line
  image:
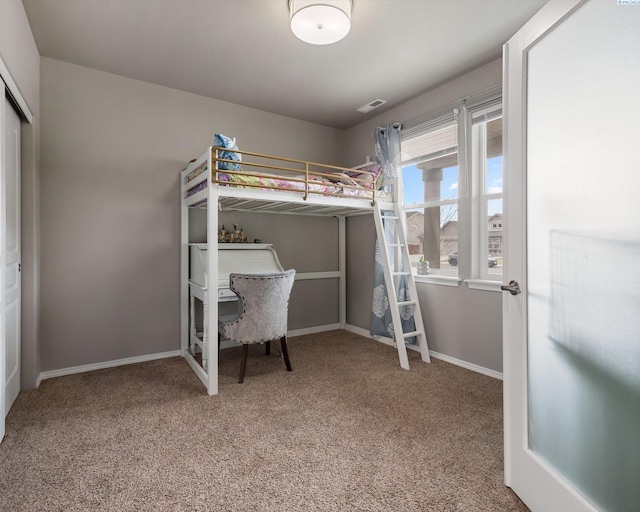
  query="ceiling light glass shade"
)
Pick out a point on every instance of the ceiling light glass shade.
point(320, 21)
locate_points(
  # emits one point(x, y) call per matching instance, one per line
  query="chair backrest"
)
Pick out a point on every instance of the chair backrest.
point(265, 305)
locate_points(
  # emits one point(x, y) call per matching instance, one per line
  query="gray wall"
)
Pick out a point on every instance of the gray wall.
point(460, 322)
point(112, 150)
point(20, 54)
point(307, 244)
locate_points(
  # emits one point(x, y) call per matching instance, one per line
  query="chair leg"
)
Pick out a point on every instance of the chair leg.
point(243, 364)
point(267, 349)
point(285, 352)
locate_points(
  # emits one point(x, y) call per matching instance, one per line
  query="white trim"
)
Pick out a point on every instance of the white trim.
point(364, 332)
point(437, 279)
point(12, 87)
point(430, 204)
point(290, 334)
point(313, 330)
point(50, 374)
point(484, 284)
point(342, 265)
point(469, 366)
point(3, 341)
point(452, 360)
point(539, 487)
point(305, 276)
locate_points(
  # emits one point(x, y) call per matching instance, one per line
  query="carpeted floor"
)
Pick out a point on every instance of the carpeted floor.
point(346, 430)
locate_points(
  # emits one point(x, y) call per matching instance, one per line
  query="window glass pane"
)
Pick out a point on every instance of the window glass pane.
point(412, 185)
point(495, 237)
point(494, 175)
point(429, 181)
point(441, 239)
point(493, 180)
point(432, 233)
point(415, 236)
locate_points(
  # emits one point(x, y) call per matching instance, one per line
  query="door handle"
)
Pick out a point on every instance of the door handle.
point(513, 288)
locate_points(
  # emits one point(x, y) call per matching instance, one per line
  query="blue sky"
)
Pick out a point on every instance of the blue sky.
point(414, 187)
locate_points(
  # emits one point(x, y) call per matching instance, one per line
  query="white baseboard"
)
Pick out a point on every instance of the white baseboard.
point(50, 374)
point(437, 355)
point(312, 330)
point(290, 334)
point(364, 332)
point(469, 366)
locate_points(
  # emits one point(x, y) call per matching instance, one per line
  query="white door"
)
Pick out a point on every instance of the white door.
point(11, 300)
point(572, 336)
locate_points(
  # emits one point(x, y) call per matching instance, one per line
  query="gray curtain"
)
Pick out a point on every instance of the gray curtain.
point(387, 147)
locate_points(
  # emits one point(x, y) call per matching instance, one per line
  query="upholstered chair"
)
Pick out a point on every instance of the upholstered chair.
point(263, 304)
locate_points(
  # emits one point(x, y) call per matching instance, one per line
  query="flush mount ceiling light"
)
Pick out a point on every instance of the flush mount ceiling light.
point(320, 21)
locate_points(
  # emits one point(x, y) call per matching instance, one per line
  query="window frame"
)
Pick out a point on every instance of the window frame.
point(435, 124)
point(480, 196)
point(472, 201)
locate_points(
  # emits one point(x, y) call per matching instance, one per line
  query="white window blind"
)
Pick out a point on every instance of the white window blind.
point(430, 136)
point(486, 115)
point(486, 109)
point(433, 144)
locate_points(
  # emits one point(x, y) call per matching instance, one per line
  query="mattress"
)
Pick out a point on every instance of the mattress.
point(343, 186)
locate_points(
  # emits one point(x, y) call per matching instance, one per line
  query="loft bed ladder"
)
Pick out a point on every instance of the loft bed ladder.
point(396, 264)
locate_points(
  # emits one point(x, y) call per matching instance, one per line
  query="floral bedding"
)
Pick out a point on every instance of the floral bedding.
point(318, 185)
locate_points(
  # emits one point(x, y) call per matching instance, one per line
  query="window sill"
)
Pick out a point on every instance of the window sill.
point(437, 279)
point(484, 284)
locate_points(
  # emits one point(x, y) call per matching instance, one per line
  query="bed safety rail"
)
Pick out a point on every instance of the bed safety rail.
point(261, 171)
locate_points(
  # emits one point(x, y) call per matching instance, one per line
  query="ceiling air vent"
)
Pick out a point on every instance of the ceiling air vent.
point(371, 105)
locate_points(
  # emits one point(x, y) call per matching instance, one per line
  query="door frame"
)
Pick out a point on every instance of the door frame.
point(13, 93)
point(520, 463)
point(3, 340)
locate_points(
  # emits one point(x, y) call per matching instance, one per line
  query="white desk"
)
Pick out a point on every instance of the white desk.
point(232, 258)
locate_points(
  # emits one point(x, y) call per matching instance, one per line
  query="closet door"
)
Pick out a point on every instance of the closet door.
point(10, 202)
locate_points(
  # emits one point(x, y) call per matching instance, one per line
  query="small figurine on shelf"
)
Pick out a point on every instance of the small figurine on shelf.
point(237, 236)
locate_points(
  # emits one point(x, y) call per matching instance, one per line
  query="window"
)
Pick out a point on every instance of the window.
point(452, 176)
point(430, 182)
point(486, 165)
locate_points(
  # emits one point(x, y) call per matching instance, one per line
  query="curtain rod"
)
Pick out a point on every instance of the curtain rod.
point(395, 125)
point(464, 99)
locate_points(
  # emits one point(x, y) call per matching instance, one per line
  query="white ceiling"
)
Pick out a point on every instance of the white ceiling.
point(244, 52)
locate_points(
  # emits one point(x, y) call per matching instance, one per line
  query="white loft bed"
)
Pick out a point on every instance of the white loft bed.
point(271, 185)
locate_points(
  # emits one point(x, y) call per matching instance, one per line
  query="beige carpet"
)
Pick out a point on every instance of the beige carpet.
point(346, 430)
